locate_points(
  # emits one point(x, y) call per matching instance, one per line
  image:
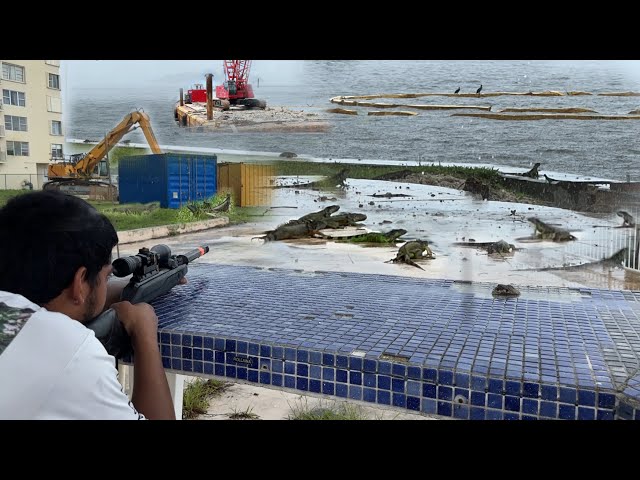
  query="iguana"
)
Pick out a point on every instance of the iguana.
point(548, 232)
point(287, 231)
point(374, 237)
point(628, 220)
point(411, 250)
point(342, 220)
point(491, 247)
point(614, 260)
point(316, 216)
point(502, 290)
point(533, 173)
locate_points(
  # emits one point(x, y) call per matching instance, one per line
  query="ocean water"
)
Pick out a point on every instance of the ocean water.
point(598, 148)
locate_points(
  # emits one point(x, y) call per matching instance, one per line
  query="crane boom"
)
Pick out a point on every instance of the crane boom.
point(85, 166)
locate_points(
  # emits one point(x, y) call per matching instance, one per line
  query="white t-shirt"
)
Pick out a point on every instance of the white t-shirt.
point(55, 368)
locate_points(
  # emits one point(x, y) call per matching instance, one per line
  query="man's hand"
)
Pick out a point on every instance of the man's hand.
point(139, 320)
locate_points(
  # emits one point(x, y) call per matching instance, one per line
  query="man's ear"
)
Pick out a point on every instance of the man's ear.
point(79, 288)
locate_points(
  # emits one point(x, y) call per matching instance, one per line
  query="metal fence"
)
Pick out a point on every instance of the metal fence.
point(18, 181)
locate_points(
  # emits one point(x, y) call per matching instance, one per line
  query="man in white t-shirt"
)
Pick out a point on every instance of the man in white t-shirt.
point(55, 262)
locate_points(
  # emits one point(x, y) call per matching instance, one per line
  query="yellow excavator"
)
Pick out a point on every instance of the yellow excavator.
point(77, 174)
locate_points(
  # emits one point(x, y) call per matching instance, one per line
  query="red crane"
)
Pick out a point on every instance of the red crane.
point(236, 87)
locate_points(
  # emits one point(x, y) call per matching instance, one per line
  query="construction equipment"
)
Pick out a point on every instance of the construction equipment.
point(236, 87)
point(80, 174)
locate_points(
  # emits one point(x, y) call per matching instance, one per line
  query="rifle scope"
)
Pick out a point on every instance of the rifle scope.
point(159, 255)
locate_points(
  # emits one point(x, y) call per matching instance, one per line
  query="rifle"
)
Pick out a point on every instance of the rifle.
point(154, 272)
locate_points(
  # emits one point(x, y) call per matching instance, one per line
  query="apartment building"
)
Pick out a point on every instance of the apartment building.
point(31, 130)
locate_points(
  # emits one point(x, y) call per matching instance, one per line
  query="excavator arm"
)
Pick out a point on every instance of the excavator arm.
point(85, 166)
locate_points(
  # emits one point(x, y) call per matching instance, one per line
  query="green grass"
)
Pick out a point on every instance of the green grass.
point(343, 411)
point(135, 215)
point(244, 414)
point(197, 394)
point(371, 171)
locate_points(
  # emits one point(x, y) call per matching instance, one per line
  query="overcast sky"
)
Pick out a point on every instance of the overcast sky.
point(118, 73)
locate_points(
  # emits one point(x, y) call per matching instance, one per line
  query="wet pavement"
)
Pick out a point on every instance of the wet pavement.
point(443, 216)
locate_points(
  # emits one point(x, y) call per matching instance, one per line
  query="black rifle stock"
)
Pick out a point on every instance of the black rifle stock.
point(154, 272)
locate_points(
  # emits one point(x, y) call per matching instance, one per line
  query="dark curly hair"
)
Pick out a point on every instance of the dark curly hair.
point(45, 236)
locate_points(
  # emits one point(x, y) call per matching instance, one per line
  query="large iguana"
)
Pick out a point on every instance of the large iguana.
point(343, 220)
point(549, 232)
point(376, 237)
point(491, 247)
point(410, 250)
point(628, 220)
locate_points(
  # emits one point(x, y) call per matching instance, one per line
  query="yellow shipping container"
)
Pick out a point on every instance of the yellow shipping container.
point(249, 183)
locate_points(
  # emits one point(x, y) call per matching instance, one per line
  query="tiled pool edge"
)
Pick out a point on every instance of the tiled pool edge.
point(406, 386)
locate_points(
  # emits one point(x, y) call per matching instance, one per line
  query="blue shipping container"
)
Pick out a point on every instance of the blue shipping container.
point(173, 179)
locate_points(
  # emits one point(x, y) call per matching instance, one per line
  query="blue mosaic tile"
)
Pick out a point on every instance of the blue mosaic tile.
point(328, 373)
point(230, 371)
point(289, 381)
point(399, 370)
point(548, 409)
point(478, 383)
point(230, 345)
point(314, 386)
point(328, 359)
point(165, 337)
point(512, 403)
point(445, 377)
point(265, 364)
point(241, 373)
point(355, 392)
point(428, 389)
point(265, 350)
point(208, 343)
point(197, 354)
point(369, 380)
point(567, 412)
point(277, 366)
point(208, 368)
point(276, 379)
point(302, 384)
point(531, 390)
point(445, 393)
point(315, 357)
point(341, 376)
point(428, 406)
point(241, 347)
point(341, 390)
point(414, 388)
point(369, 395)
point(384, 397)
point(218, 357)
point(604, 415)
point(265, 377)
point(494, 415)
point(530, 406)
point(277, 352)
point(413, 403)
point(496, 386)
point(399, 400)
point(328, 388)
point(342, 361)
point(568, 395)
point(512, 388)
point(413, 372)
point(586, 398)
point(355, 363)
point(511, 416)
point(289, 368)
point(494, 400)
point(549, 392)
point(315, 371)
point(302, 370)
point(252, 375)
point(476, 413)
point(444, 409)
point(219, 344)
point(462, 380)
point(302, 356)
point(478, 398)
point(429, 375)
point(585, 413)
point(397, 385)
point(289, 354)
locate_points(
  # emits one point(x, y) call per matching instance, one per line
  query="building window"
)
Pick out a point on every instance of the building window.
point(56, 151)
point(54, 81)
point(56, 127)
point(12, 72)
point(11, 97)
point(54, 104)
point(17, 124)
point(18, 149)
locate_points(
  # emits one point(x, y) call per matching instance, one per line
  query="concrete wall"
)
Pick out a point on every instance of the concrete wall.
point(42, 105)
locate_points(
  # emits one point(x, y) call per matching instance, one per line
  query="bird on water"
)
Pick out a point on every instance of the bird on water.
point(457, 91)
point(479, 90)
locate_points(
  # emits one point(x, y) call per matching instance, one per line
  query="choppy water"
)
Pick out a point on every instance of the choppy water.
point(601, 148)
